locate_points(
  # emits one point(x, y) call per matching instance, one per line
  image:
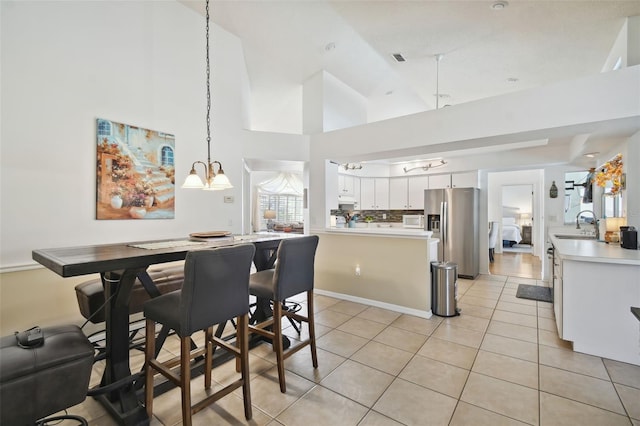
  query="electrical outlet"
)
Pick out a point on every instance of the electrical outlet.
point(384, 215)
point(228, 198)
point(357, 270)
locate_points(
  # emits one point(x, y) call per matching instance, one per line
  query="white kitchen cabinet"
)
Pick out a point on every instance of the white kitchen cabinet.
point(374, 194)
point(454, 180)
point(407, 193)
point(417, 185)
point(346, 185)
point(557, 291)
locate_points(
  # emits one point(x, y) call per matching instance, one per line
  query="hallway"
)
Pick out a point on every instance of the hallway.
point(524, 265)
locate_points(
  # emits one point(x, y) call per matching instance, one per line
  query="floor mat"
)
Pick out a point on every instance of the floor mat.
point(534, 292)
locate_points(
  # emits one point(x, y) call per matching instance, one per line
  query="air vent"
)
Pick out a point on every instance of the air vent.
point(398, 57)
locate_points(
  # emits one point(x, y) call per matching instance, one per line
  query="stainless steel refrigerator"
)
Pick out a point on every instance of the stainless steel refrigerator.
point(452, 215)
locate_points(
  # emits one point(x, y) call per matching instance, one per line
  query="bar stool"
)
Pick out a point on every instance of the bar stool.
point(215, 289)
point(293, 274)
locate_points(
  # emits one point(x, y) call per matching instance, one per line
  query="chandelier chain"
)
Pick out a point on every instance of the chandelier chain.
point(208, 93)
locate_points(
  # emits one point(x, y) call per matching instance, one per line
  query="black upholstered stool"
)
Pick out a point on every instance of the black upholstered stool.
point(39, 381)
point(215, 290)
point(293, 274)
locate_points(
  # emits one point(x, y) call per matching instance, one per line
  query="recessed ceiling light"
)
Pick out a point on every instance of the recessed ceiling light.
point(513, 80)
point(591, 154)
point(398, 57)
point(329, 46)
point(499, 5)
point(390, 92)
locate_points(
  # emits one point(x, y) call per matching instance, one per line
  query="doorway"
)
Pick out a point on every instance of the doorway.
point(517, 218)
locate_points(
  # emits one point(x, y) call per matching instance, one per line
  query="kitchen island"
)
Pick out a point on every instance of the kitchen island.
point(595, 286)
point(384, 267)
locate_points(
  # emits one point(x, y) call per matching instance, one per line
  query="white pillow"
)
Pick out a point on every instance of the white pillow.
point(508, 220)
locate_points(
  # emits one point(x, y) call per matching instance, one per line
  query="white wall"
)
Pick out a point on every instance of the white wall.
point(64, 64)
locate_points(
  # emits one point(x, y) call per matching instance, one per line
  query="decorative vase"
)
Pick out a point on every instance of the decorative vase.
point(148, 201)
point(116, 201)
point(553, 192)
point(137, 212)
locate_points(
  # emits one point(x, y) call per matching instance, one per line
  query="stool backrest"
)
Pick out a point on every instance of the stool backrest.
point(295, 266)
point(216, 286)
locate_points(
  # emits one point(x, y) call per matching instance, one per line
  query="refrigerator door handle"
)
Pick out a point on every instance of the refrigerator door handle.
point(443, 223)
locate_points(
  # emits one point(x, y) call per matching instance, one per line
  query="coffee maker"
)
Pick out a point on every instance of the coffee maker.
point(629, 237)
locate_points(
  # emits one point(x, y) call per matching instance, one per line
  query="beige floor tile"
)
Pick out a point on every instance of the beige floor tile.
point(623, 373)
point(266, 395)
point(341, 343)
point(301, 364)
point(376, 419)
point(510, 290)
point(226, 373)
point(513, 331)
point(362, 327)
point(411, 404)
point(448, 352)
point(513, 299)
point(490, 277)
point(417, 325)
point(486, 293)
point(476, 311)
point(548, 324)
point(331, 319)
point(459, 335)
point(92, 410)
point(468, 321)
point(478, 301)
point(567, 359)
point(401, 339)
point(507, 368)
point(585, 389)
point(515, 318)
point(358, 382)
point(467, 414)
point(630, 399)
point(546, 313)
point(550, 338)
point(347, 307)
point(435, 375)
point(520, 280)
point(509, 399)
point(322, 406)
point(517, 307)
point(511, 347)
point(384, 316)
point(321, 330)
point(320, 302)
point(558, 411)
point(382, 357)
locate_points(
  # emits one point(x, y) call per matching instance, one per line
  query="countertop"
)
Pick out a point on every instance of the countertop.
point(594, 251)
point(377, 231)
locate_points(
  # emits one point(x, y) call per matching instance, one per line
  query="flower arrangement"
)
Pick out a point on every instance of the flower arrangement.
point(611, 171)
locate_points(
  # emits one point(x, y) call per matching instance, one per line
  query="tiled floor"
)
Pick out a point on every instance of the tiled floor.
point(499, 363)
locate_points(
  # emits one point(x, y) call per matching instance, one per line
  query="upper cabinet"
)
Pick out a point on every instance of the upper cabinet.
point(374, 193)
point(346, 184)
point(407, 193)
point(455, 180)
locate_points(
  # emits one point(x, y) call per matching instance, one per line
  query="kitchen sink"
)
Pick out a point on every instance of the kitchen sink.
point(575, 237)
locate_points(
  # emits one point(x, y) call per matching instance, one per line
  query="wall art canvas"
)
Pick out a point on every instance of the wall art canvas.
point(135, 172)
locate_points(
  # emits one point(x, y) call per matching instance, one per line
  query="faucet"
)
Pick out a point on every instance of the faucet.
point(595, 222)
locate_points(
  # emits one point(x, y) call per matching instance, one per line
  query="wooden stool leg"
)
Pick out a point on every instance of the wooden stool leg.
point(208, 357)
point(312, 328)
point(149, 354)
point(243, 345)
point(185, 379)
point(277, 343)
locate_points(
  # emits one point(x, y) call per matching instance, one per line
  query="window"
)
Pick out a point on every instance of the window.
point(288, 208)
point(167, 156)
point(104, 128)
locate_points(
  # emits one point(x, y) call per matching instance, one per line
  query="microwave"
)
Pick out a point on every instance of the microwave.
point(413, 221)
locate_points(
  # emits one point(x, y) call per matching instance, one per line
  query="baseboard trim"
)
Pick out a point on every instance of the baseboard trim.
point(376, 303)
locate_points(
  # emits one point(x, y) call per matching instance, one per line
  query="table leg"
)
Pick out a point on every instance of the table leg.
point(121, 402)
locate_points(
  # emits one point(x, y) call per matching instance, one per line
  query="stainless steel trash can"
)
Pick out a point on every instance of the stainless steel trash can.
point(444, 289)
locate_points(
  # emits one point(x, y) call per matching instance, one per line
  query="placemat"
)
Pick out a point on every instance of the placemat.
point(166, 244)
point(210, 234)
point(534, 292)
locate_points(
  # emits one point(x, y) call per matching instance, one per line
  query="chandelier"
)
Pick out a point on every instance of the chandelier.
point(213, 181)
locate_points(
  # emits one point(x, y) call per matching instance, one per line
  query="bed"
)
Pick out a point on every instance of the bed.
point(510, 232)
point(510, 229)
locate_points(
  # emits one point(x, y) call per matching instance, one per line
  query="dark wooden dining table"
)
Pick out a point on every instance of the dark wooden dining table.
point(118, 266)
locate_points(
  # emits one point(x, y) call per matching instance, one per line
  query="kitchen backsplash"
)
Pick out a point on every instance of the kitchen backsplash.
point(392, 215)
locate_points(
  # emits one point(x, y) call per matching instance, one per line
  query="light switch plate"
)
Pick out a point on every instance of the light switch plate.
point(228, 198)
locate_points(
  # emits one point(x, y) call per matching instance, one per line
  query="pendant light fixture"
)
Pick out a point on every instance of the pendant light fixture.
point(213, 181)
